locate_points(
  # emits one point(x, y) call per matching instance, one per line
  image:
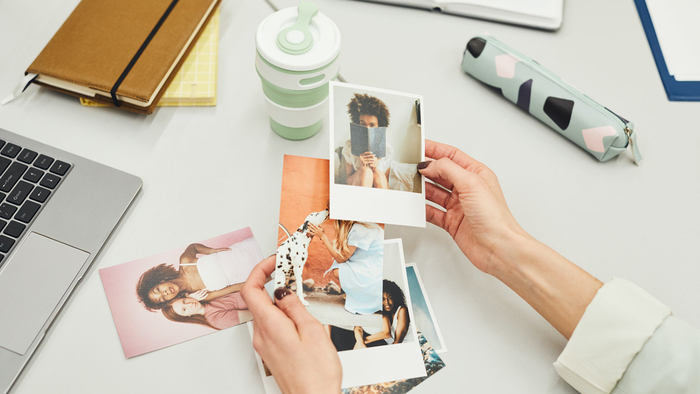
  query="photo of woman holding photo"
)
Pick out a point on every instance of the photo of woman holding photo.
point(358, 251)
point(220, 313)
point(203, 273)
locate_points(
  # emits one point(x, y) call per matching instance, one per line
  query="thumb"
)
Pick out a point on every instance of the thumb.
point(449, 174)
point(289, 303)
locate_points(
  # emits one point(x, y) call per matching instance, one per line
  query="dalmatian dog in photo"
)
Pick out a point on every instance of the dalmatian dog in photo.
point(293, 254)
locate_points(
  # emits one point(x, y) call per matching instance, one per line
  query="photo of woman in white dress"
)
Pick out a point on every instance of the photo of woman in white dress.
point(203, 273)
point(358, 253)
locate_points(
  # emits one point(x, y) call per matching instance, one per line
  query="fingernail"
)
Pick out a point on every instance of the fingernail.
point(282, 292)
point(423, 165)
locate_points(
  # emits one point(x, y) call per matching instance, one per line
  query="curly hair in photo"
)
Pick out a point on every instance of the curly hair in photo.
point(153, 277)
point(364, 104)
point(394, 292)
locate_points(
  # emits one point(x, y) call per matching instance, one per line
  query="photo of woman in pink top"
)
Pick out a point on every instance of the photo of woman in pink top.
point(223, 312)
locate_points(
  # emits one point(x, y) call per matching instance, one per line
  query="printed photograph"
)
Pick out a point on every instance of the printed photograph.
point(397, 325)
point(376, 143)
point(181, 294)
point(433, 363)
point(334, 266)
point(372, 354)
point(422, 310)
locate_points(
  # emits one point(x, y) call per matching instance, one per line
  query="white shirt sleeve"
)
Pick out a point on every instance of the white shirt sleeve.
point(614, 328)
point(669, 362)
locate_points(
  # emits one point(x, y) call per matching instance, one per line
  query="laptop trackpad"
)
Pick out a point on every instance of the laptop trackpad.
point(31, 285)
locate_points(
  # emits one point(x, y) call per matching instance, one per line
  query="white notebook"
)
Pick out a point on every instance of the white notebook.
point(543, 14)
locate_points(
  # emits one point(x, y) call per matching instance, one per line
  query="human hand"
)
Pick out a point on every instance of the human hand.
point(217, 250)
point(476, 214)
point(369, 160)
point(199, 295)
point(314, 230)
point(293, 343)
point(359, 333)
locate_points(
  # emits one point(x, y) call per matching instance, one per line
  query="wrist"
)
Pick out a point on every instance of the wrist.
point(556, 288)
point(512, 248)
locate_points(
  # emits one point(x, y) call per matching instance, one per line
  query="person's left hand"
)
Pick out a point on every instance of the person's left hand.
point(217, 250)
point(293, 343)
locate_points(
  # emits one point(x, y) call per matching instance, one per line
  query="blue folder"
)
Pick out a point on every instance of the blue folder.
point(675, 90)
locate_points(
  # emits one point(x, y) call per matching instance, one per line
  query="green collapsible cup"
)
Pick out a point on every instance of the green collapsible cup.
point(296, 56)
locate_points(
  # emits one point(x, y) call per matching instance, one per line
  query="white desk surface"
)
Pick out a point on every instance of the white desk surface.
point(207, 171)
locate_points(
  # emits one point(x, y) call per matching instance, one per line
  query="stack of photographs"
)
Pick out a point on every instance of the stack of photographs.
point(331, 248)
point(331, 253)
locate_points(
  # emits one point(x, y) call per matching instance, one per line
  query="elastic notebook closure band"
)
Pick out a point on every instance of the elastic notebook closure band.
point(134, 59)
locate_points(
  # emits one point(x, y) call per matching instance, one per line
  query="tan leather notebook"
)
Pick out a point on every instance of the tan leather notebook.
point(96, 44)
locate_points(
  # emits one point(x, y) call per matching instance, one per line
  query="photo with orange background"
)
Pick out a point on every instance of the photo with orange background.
point(305, 190)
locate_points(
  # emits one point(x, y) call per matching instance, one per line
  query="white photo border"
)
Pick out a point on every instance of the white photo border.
point(368, 204)
point(376, 364)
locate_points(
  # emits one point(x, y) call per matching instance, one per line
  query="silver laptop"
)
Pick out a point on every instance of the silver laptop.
point(56, 212)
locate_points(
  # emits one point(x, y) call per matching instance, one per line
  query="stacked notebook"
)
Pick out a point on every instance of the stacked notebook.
point(124, 53)
point(195, 84)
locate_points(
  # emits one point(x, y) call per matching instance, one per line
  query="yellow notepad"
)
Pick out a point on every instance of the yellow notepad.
point(195, 83)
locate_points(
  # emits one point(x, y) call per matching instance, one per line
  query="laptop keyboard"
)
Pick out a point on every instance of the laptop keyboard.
point(27, 182)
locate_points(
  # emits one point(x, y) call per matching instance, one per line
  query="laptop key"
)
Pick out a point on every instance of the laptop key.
point(50, 181)
point(20, 193)
point(39, 194)
point(33, 174)
point(6, 243)
point(14, 229)
point(60, 167)
point(11, 150)
point(4, 163)
point(7, 210)
point(11, 176)
point(27, 156)
point(2, 224)
point(43, 162)
point(27, 212)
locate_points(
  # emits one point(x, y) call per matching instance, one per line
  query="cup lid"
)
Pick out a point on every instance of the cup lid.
point(298, 38)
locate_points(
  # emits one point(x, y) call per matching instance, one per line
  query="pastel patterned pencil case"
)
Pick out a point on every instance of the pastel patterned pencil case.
point(547, 97)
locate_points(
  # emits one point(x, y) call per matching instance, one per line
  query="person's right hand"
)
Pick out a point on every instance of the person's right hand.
point(293, 344)
point(476, 214)
point(368, 159)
